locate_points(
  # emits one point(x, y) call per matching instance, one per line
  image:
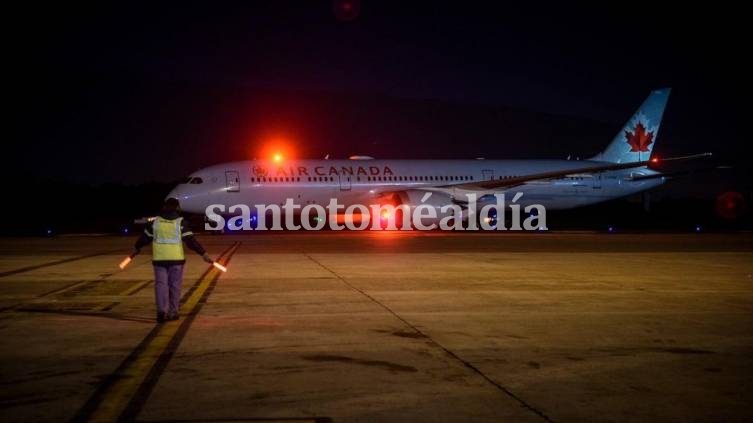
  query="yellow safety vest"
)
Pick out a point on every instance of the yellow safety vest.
point(167, 244)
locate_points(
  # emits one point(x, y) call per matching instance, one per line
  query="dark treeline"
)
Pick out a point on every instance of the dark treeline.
point(196, 126)
point(51, 207)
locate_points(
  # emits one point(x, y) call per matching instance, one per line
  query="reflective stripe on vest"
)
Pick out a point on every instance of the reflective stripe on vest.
point(167, 243)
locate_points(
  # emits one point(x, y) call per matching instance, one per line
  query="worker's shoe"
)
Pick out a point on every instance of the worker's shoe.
point(171, 317)
point(161, 317)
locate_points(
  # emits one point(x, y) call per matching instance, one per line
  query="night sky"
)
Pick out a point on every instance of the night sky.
point(128, 93)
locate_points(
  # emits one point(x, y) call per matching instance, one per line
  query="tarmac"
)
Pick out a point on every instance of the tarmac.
point(383, 327)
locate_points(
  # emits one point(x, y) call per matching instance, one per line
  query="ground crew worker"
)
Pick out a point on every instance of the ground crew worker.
point(166, 233)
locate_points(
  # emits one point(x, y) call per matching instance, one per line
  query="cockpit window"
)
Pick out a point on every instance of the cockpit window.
point(193, 180)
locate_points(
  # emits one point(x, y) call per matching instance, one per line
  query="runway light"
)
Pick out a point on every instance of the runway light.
point(611, 229)
point(219, 266)
point(124, 263)
point(698, 228)
point(49, 231)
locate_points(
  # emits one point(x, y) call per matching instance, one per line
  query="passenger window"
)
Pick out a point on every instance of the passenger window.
point(196, 181)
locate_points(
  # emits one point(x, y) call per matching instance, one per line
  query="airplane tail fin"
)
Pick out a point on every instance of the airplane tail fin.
point(637, 138)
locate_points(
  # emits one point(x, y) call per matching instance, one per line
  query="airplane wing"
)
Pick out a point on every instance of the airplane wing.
point(511, 182)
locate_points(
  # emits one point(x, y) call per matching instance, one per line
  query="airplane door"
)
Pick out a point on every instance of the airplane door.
point(232, 181)
point(345, 182)
point(487, 174)
point(597, 181)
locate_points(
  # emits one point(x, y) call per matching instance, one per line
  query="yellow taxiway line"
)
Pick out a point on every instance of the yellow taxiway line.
point(119, 394)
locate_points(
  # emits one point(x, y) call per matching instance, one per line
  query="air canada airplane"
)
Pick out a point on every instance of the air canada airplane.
point(620, 170)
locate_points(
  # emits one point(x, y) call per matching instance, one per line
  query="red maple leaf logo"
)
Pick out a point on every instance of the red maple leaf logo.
point(639, 139)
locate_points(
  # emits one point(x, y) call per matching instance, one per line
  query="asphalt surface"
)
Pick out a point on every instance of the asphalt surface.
point(386, 326)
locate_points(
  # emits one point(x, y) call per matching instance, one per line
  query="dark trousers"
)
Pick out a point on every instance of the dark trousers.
point(167, 283)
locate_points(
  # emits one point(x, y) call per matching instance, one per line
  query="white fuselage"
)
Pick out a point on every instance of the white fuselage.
point(259, 182)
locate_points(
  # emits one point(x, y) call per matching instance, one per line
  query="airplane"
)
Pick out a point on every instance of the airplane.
point(622, 169)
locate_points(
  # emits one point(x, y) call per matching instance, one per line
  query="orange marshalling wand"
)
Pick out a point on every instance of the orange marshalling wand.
point(219, 266)
point(124, 263)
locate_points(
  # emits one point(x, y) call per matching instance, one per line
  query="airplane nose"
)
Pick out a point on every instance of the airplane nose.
point(177, 193)
point(191, 200)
